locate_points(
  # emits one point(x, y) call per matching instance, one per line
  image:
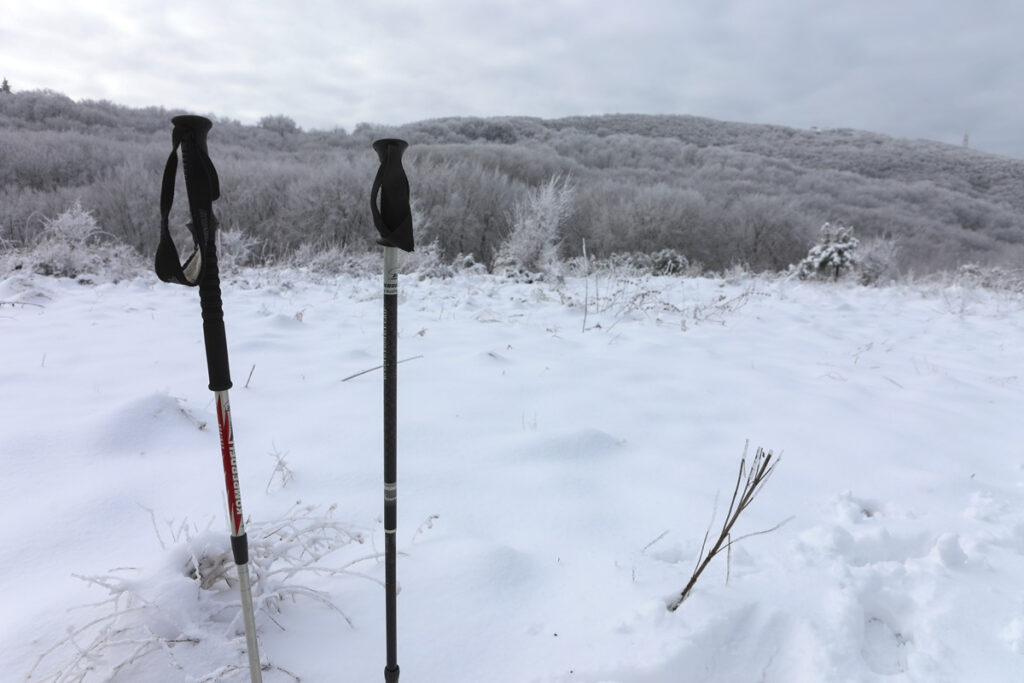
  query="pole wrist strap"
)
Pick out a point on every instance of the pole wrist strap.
point(202, 187)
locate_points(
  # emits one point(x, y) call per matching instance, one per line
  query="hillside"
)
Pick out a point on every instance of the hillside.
point(720, 193)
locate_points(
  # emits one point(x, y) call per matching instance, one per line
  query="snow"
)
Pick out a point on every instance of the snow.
point(554, 483)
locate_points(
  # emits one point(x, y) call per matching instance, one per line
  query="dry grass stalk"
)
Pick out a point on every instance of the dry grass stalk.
point(749, 482)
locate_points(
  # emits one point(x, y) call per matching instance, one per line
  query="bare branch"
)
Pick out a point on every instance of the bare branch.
point(662, 535)
point(749, 482)
point(377, 367)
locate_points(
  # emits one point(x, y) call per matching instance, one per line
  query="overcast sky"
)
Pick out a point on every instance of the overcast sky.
point(932, 69)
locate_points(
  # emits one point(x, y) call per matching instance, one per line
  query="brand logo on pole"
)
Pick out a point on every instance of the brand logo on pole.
point(227, 452)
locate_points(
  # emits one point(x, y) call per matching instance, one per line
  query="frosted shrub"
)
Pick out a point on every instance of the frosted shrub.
point(667, 262)
point(234, 250)
point(876, 261)
point(181, 621)
point(624, 264)
point(426, 262)
point(330, 260)
point(827, 259)
point(990, 277)
point(72, 245)
point(633, 263)
point(532, 244)
point(66, 246)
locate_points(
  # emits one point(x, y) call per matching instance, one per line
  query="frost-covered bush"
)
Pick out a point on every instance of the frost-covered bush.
point(426, 261)
point(668, 262)
point(990, 277)
point(877, 261)
point(235, 249)
point(532, 244)
point(827, 259)
point(72, 245)
point(662, 262)
point(625, 264)
point(279, 123)
point(319, 259)
point(634, 264)
point(181, 620)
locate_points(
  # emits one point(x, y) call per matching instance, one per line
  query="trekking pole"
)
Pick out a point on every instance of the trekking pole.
point(203, 187)
point(394, 223)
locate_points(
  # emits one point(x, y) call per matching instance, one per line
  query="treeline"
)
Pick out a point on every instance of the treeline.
point(719, 193)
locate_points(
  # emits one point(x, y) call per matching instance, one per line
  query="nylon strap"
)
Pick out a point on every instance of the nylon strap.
point(202, 186)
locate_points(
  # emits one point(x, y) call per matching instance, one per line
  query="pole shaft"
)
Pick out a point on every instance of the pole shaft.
point(203, 187)
point(252, 646)
point(239, 541)
point(390, 457)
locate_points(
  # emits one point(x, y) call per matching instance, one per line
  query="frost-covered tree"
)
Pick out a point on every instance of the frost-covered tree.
point(467, 205)
point(5, 86)
point(536, 220)
point(279, 123)
point(836, 251)
point(719, 193)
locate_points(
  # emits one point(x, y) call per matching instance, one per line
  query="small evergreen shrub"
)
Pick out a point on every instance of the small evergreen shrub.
point(836, 252)
point(668, 262)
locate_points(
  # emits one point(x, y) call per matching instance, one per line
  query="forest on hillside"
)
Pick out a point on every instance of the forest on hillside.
point(721, 194)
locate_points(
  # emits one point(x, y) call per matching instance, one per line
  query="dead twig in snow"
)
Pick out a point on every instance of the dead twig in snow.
point(749, 482)
point(378, 367)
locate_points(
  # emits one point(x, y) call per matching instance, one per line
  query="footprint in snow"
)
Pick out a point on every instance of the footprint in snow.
point(148, 423)
point(885, 649)
point(578, 443)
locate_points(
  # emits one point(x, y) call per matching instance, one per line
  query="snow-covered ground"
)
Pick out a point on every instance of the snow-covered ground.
point(554, 483)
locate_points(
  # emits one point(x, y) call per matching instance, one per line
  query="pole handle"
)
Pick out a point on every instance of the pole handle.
point(202, 186)
point(393, 218)
point(200, 269)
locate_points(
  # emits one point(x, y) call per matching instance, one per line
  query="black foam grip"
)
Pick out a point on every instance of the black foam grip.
point(203, 187)
point(213, 323)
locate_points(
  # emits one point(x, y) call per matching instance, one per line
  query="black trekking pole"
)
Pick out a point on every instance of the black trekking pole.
point(393, 219)
point(203, 187)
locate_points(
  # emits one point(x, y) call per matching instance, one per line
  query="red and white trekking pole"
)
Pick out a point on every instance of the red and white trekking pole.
point(203, 187)
point(393, 219)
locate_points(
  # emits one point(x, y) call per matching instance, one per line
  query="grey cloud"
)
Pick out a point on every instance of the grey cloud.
point(908, 68)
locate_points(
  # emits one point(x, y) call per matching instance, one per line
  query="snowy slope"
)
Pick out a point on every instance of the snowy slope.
point(554, 484)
